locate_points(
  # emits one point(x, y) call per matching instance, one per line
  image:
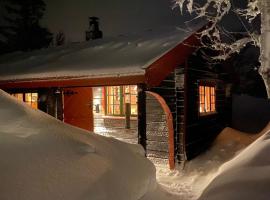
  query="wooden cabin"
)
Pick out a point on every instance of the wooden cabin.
point(177, 107)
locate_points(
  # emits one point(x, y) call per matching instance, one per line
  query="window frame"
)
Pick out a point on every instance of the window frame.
point(130, 95)
point(212, 97)
point(122, 100)
point(31, 103)
point(113, 96)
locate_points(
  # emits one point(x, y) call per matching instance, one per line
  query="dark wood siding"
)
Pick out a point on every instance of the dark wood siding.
point(172, 90)
point(180, 113)
point(156, 129)
point(201, 130)
point(142, 115)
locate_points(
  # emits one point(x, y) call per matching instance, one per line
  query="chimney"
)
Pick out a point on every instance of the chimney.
point(93, 31)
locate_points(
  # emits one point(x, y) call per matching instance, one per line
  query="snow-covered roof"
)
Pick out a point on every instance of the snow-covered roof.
point(108, 57)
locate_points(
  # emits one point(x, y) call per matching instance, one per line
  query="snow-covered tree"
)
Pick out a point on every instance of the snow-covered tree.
point(215, 11)
point(264, 7)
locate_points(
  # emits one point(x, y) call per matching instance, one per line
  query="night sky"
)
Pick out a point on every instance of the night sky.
point(117, 17)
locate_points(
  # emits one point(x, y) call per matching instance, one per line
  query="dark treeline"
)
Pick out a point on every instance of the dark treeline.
point(20, 29)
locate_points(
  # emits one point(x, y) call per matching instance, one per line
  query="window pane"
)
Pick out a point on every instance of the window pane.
point(110, 109)
point(127, 89)
point(133, 99)
point(34, 100)
point(19, 96)
point(213, 109)
point(127, 99)
point(116, 93)
point(130, 96)
point(133, 89)
point(207, 99)
point(134, 110)
point(28, 97)
point(116, 109)
point(202, 108)
point(202, 90)
point(213, 99)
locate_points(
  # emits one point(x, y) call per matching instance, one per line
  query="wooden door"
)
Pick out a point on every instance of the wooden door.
point(78, 107)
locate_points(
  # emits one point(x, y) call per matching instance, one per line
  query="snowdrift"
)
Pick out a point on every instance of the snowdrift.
point(189, 183)
point(43, 158)
point(246, 176)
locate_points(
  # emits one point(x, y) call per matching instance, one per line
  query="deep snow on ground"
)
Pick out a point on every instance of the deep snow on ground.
point(43, 158)
point(246, 176)
point(189, 183)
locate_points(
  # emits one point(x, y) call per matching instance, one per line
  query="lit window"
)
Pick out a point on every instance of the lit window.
point(118, 96)
point(207, 99)
point(130, 96)
point(29, 98)
point(113, 99)
point(18, 96)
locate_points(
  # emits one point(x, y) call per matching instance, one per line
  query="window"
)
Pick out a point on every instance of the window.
point(29, 98)
point(113, 100)
point(207, 95)
point(130, 96)
point(118, 96)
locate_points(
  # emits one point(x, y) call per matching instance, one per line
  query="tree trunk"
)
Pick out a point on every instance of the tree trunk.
point(265, 43)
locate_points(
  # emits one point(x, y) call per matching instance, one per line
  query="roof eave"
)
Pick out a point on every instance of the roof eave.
point(73, 82)
point(162, 67)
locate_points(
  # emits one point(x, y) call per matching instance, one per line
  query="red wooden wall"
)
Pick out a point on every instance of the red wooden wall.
point(78, 107)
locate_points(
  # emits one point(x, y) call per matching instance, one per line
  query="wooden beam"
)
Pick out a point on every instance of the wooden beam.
point(183, 142)
point(73, 82)
point(127, 115)
point(142, 115)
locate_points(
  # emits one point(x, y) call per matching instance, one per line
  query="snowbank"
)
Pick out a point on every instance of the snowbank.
point(43, 158)
point(246, 176)
point(189, 183)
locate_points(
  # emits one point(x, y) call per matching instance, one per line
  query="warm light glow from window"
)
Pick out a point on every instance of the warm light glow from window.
point(118, 96)
point(207, 99)
point(19, 96)
point(130, 96)
point(113, 100)
point(29, 98)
